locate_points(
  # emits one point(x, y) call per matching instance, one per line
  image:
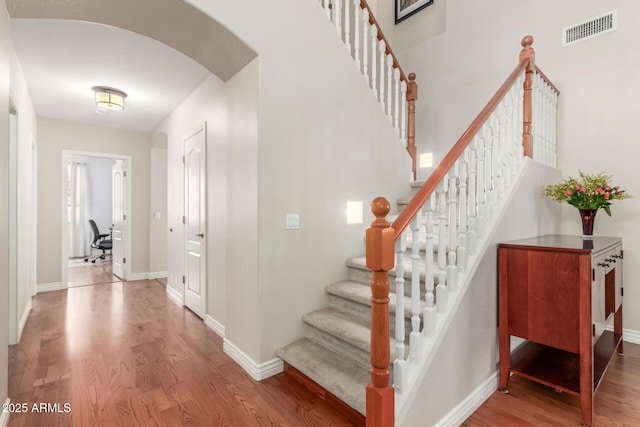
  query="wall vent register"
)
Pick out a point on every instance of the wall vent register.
point(590, 28)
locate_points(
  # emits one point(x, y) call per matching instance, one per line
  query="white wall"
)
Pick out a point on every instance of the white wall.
point(55, 136)
point(5, 64)
point(12, 85)
point(322, 141)
point(463, 67)
point(468, 353)
point(99, 190)
point(158, 204)
point(205, 104)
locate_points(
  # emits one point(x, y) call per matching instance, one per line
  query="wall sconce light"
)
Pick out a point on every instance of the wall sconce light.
point(426, 160)
point(354, 212)
point(108, 98)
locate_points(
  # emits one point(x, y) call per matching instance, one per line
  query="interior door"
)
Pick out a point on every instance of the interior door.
point(195, 221)
point(119, 218)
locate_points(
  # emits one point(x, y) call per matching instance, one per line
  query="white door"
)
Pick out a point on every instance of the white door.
point(195, 221)
point(119, 217)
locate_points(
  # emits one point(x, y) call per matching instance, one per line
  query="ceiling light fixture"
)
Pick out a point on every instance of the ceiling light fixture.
point(108, 98)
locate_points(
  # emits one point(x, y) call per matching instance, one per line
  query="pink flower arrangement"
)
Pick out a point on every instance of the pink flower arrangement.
point(589, 192)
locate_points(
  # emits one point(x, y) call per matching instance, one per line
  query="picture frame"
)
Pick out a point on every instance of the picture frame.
point(406, 8)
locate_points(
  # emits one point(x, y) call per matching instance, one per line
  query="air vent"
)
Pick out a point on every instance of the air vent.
point(590, 28)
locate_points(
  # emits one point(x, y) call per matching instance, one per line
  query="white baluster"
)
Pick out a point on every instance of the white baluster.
point(337, 18)
point(442, 244)
point(365, 43)
point(357, 12)
point(481, 189)
point(327, 9)
point(414, 338)
point(488, 174)
point(374, 64)
point(396, 102)
point(347, 26)
point(452, 279)
point(462, 245)
point(473, 191)
point(399, 379)
point(428, 316)
point(403, 111)
point(389, 110)
point(381, 50)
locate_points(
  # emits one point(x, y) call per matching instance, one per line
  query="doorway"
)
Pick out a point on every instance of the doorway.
point(88, 256)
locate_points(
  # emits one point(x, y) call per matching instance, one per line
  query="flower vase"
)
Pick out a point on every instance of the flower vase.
point(588, 217)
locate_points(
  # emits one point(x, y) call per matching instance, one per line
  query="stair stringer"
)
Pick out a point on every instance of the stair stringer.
point(416, 380)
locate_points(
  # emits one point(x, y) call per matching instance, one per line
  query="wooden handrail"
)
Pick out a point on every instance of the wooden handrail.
point(439, 173)
point(547, 81)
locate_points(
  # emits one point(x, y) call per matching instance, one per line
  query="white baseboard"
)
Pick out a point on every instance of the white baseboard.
point(628, 335)
point(147, 276)
point(258, 371)
point(468, 406)
point(214, 325)
point(157, 275)
point(48, 287)
point(4, 416)
point(175, 296)
point(23, 319)
point(137, 276)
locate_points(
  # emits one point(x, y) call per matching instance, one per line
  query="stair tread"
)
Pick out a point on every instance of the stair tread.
point(340, 376)
point(361, 263)
point(345, 326)
point(361, 293)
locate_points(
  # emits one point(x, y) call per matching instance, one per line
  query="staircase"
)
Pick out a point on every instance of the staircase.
point(335, 351)
point(359, 345)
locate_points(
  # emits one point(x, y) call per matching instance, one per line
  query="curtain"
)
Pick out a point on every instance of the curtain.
point(80, 234)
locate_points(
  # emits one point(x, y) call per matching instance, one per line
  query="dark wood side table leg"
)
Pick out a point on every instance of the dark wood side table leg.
point(617, 329)
point(503, 322)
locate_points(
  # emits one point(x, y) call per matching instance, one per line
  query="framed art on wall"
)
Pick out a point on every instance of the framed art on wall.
point(406, 8)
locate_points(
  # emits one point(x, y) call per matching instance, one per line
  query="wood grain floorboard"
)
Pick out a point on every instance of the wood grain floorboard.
point(617, 401)
point(123, 354)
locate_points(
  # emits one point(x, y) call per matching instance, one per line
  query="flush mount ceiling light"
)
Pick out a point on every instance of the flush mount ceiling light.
point(108, 98)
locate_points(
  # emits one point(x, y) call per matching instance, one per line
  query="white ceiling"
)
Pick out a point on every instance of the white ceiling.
point(63, 59)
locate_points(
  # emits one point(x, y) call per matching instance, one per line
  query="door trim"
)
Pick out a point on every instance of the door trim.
point(128, 167)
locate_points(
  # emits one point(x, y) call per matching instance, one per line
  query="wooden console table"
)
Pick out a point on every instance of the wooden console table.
point(563, 295)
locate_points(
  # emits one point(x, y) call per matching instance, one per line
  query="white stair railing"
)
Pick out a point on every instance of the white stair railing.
point(456, 208)
point(365, 42)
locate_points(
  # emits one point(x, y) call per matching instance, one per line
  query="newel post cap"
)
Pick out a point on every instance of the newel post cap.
point(380, 237)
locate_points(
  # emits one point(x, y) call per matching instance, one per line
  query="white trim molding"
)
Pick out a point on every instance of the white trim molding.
point(24, 318)
point(175, 296)
point(258, 371)
point(4, 416)
point(628, 335)
point(468, 406)
point(49, 287)
point(214, 325)
point(157, 275)
point(132, 277)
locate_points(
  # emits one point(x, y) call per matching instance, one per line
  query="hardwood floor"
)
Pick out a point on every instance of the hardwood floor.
point(91, 274)
point(617, 402)
point(123, 354)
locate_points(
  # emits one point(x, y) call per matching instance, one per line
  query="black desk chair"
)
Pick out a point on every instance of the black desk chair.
point(99, 242)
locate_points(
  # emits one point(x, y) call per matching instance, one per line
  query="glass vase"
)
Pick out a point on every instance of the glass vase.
point(588, 217)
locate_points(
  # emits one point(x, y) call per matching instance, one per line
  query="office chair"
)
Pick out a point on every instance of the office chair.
point(100, 242)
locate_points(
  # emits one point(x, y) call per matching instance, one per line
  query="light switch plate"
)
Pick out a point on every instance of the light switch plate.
point(293, 222)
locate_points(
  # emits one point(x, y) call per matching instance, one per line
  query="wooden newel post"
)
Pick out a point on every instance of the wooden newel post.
point(412, 97)
point(527, 53)
point(380, 259)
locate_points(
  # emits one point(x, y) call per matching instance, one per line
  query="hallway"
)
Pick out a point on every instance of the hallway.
point(124, 354)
